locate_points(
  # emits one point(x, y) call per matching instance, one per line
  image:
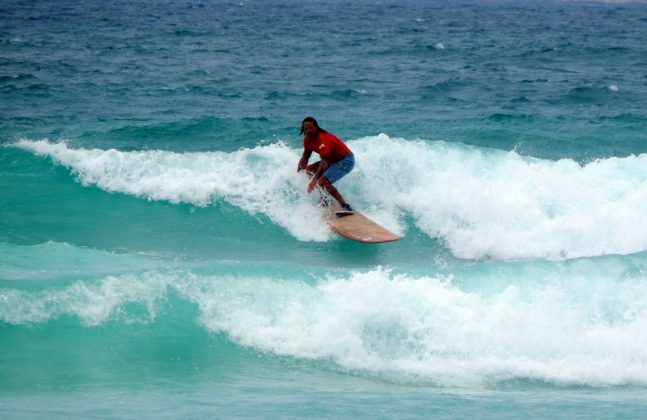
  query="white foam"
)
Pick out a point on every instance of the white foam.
point(499, 204)
point(481, 202)
point(428, 329)
point(92, 303)
point(397, 325)
point(260, 180)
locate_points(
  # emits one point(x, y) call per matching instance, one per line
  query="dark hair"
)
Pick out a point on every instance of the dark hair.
point(314, 122)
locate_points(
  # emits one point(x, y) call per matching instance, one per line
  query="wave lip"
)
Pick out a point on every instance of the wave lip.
point(398, 326)
point(486, 203)
point(259, 180)
point(426, 329)
point(482, 203)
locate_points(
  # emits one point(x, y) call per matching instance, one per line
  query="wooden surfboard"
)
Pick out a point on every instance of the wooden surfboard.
point(357, 227)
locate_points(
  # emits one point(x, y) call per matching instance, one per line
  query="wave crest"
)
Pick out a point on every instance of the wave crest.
point(395, 325)
point(483, 203)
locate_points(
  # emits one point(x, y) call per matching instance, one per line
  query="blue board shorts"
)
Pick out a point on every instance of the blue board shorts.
point(337, 170)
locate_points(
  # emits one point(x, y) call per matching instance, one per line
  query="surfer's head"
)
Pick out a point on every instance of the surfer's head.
point(310, 127)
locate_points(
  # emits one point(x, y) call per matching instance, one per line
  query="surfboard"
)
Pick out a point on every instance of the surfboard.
point(357, 227)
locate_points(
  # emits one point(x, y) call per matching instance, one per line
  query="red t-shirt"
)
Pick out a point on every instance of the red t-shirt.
point(327, 146)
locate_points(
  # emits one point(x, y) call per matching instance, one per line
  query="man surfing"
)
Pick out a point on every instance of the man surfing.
point(336, 161)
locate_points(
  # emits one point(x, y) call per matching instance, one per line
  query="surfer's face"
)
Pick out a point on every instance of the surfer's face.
point(310, 129)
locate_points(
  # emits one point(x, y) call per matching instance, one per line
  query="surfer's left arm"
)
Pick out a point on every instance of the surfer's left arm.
point(303, 162)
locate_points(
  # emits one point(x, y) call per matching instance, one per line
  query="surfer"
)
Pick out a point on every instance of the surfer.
point(336, 160)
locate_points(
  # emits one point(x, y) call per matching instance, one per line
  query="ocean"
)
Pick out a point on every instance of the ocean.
point(160, 257)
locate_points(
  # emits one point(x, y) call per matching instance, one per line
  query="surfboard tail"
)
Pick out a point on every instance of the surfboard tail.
point(357, 227)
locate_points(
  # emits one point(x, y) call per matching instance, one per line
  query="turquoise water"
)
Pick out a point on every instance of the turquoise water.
point(159, 255)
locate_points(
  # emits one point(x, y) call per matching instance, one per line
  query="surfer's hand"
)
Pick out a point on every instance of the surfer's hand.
point(312, 184)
